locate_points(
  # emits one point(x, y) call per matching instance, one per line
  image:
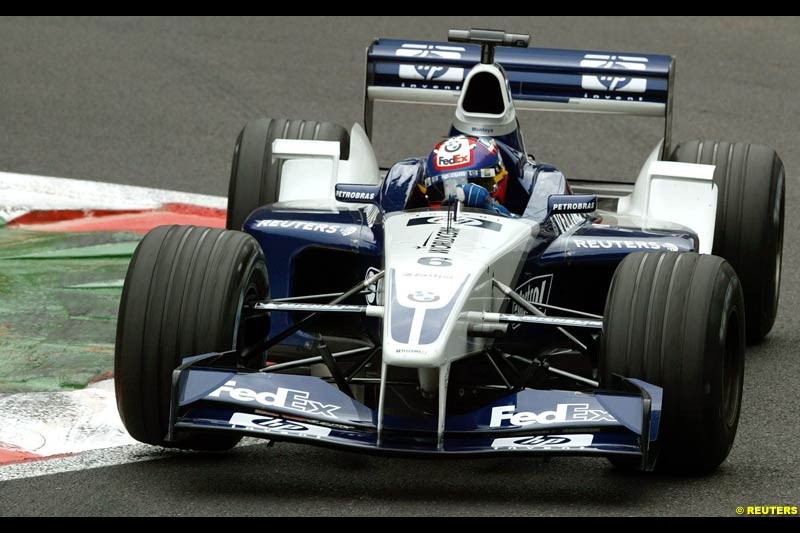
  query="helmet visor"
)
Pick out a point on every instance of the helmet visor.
point(443, 187)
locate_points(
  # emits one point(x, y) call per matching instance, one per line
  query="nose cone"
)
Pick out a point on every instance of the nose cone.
point(422, 309)
point(435, 272)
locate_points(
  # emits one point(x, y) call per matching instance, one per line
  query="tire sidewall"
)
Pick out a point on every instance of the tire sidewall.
point(721, 413)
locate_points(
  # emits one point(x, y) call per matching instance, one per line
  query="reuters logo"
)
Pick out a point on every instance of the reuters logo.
point(767, 510)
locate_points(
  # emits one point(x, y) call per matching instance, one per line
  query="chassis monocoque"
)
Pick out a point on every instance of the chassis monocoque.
point(338, 309)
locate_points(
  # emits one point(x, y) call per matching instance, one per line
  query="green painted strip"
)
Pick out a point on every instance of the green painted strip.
point(116, 249)
point(58, 316)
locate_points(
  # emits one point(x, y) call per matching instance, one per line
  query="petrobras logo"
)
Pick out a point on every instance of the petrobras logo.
point(431, 72)
point(615, 82)
point(295, 400)
point(575, 207)
point(272, 424)
point(564, 413)
point(352, 192)
point(543, 442)
point(578, 206)
point(355, 195)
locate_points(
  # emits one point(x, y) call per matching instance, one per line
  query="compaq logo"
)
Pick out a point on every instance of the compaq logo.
point(614, 83)
point(427, 71)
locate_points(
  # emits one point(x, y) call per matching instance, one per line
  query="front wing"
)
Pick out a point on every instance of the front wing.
point(308, 410)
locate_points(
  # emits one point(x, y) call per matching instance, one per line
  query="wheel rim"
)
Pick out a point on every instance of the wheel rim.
point(250, 324)
point(731, 371)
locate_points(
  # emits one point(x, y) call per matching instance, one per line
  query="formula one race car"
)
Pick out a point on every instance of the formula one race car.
point(390, 312)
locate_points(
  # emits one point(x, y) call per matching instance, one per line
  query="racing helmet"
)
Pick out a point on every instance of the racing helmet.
point(460, 160)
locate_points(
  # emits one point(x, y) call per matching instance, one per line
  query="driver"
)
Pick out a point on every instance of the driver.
point(469, 169)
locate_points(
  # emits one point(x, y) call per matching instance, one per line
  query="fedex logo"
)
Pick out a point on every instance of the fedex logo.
point(564, 413)
point(296, 400)
point(454, 153)
point(444, 161)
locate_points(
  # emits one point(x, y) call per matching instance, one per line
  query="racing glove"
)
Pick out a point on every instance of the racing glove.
point(473, 195)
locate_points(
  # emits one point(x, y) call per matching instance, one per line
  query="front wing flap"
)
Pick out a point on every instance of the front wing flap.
point(309, 410)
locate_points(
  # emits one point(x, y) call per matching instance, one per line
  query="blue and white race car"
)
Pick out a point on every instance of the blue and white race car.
point(470, 301)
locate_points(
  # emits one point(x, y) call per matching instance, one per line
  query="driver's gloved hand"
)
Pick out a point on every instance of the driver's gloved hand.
point(473, 195)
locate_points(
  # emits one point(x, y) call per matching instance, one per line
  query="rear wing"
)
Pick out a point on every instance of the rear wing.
point(545, 79)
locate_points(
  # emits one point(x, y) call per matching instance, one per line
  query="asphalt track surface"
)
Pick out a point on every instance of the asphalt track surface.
point(159, 102)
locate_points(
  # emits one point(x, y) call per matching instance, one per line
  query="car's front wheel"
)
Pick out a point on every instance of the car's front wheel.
point(188, 291)
point(677, 320)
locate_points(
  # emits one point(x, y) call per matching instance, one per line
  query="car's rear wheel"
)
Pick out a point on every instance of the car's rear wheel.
point(676, 320)
point(749, 223)
point(255, 177)
point(187, 292)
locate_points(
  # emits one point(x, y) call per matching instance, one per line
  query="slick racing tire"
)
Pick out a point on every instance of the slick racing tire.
point(186, 293)
point(255, 177)
point(677, 320)
point(749, 223)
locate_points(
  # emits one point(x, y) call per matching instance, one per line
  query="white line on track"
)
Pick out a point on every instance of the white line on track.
point(83, 461)
point(62, 422)
point(22, 193)
point(119, 455)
